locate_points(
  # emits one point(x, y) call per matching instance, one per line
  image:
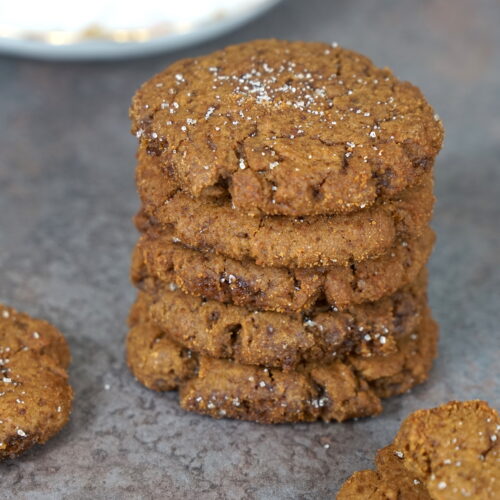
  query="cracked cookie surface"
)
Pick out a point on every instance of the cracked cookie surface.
point(290, 128)
point(444, 453)
point(35, 397)
point(339, 390)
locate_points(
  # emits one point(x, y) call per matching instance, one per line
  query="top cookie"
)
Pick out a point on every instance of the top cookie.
point(290, 128)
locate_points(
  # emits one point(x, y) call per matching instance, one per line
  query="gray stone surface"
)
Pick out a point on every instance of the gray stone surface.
point(66, 199)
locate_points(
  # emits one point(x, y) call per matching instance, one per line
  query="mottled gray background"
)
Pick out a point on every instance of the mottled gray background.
point(66, 199)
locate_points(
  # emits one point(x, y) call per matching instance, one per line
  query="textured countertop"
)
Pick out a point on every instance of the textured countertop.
point(66, 199)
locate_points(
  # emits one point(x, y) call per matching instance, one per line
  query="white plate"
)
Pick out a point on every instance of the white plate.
point(106, 29)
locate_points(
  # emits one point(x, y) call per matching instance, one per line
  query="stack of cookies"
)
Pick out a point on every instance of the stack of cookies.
point(286, 193)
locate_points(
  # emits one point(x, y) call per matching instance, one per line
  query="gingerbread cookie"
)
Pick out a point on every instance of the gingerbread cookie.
point(339, 390)
point(290, 128)
point(285, 340)
point(159, 262)
point(35, 397)
point(277, 241)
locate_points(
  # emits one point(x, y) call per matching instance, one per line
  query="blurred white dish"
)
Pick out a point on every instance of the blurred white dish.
point(105, 29)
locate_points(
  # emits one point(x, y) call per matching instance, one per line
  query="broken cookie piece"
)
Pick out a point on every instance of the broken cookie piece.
point(445, 453)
